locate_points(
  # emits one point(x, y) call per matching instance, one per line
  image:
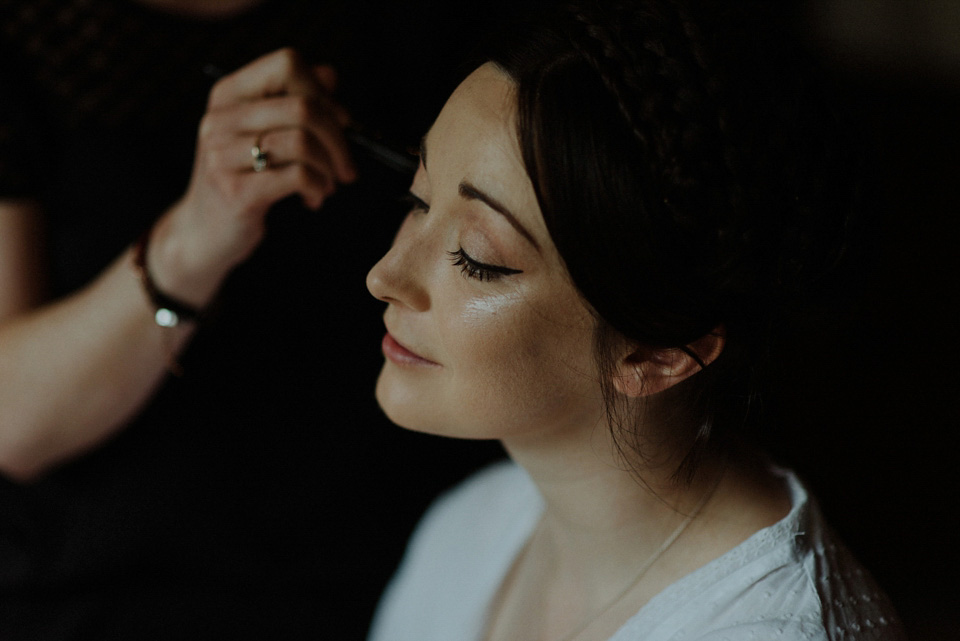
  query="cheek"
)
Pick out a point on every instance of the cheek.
point(511, 366)
point(524, 366)
point(495, 333)
point(483, 311)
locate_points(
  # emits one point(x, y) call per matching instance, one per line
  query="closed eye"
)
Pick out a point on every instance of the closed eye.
point(483, 272)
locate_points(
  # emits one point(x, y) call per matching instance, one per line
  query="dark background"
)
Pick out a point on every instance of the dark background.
point(868, 395)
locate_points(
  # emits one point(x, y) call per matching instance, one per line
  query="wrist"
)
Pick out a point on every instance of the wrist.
point(169, 311)
point(172, 266)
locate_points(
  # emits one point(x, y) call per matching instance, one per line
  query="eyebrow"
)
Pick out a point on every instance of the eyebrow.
point(470, 192)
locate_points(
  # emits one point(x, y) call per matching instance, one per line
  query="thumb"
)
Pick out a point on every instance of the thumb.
point(326, 75)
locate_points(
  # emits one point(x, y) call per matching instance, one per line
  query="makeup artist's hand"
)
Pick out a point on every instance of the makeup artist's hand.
point(282, 108)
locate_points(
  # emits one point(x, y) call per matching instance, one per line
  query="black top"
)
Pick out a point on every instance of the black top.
point(261, 495)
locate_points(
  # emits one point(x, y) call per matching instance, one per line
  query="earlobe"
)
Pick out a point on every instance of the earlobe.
point(645, 371)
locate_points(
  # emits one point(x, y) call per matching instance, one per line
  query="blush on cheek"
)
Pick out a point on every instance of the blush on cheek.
point(481, 309)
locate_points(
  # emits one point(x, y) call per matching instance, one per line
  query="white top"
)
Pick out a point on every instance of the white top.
point(791, 581)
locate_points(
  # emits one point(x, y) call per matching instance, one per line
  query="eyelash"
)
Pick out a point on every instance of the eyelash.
point(469, 267)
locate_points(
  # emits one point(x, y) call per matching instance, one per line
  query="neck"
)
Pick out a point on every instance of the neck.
point(597, 554)
point(605, 545)
point(599, 518)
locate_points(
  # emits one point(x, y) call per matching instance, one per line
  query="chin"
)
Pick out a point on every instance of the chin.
point(402, 406)
point(414, 410)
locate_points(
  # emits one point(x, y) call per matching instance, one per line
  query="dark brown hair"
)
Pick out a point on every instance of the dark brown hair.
point(684, 166)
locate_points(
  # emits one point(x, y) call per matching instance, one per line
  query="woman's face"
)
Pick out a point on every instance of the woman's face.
point(486, 335)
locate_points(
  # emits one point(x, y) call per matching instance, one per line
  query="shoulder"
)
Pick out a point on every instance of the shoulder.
point(457, 557)
point(475, 513)
point(498, 487)
point(794, 580)
point(849, 602)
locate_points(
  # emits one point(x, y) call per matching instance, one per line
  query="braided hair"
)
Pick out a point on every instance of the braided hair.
point(680, 158)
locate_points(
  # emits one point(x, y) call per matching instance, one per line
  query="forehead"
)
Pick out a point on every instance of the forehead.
point(480, 112)
point(474, 140)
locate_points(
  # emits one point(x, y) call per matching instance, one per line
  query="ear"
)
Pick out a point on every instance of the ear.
point(644, 371)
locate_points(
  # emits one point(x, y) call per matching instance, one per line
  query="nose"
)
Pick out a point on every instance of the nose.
point(399, 277)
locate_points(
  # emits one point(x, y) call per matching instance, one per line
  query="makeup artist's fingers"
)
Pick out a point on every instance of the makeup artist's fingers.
point(282, 148)
point(278, 91)
point(220, 220)
point(262, 119)
point(291, 146)
point(225, 166)
point(328, 78)
point(266, 188)
point(280, 105)
point(278, 73)
point(317, 116)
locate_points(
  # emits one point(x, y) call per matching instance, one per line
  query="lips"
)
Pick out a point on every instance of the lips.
point(401, 355)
